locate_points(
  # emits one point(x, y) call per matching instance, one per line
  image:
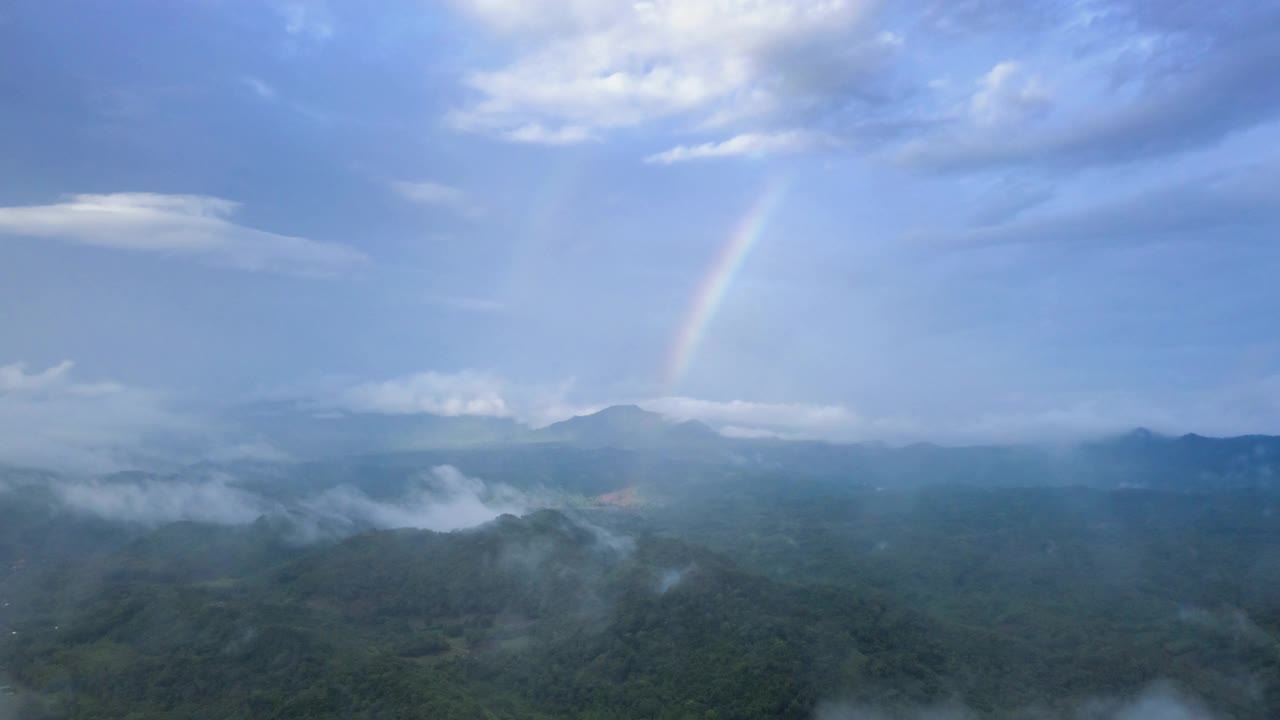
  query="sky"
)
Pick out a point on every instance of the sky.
point(963, 221)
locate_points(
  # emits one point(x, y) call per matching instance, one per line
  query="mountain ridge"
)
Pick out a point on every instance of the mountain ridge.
point(627, 427)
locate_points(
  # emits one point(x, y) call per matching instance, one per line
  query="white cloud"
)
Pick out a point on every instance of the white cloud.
point(539, 135)
point(1224, 411)
point(750, 433)
point(742, 413)
point(436, 195)
point(309, 19)
point(442, 501)
point(259, 87)
point(448, 394)
point(157, 501)
point(1159, 701)
point(1008, 95)
point(471, 393)
point(789, 421)
point(751, 144)
point(463, 393)
point(15, 378)
point(584, 67)
point(47, 419)
point(543, 406)
point(1048, 417)
point(1129, 81)
point(194, 225)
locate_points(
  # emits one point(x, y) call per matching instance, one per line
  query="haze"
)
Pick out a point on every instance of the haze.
point(960, 222)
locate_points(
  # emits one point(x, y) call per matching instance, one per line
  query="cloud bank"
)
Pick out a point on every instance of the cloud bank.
point(1099, 84)
point(48, 419)
point(197, 226)
point(442, 499)
point(1229, 409)
point(447, 394)
point(587, 67)
point(159, 501)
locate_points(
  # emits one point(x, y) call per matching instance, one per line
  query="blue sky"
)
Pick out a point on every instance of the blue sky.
point(1000, 220)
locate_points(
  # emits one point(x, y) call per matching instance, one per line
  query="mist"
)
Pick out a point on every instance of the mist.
point(1158, 701)
point(661, 359)
point(156, 502)
point(440, 499)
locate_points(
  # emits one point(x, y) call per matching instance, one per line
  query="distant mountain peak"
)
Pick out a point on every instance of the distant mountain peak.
point(627, 426)
point(1141, 435)
point(622, 410)
point(698, 427)
point(628, 416)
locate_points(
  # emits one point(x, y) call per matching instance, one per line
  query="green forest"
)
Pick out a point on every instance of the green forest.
point(1004, 601)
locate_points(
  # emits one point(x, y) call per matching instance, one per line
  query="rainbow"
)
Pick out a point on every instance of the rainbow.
point(711, 289)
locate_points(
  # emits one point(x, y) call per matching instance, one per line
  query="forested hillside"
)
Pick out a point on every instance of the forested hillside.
point(999, 601)
point(623, 566)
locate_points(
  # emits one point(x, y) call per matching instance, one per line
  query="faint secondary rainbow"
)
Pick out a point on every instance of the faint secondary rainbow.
point(715, 283)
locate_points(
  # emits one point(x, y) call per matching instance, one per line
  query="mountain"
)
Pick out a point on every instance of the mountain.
point(643, 444)
point(629, 427)
point(1142, 458)
point(304, 434)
